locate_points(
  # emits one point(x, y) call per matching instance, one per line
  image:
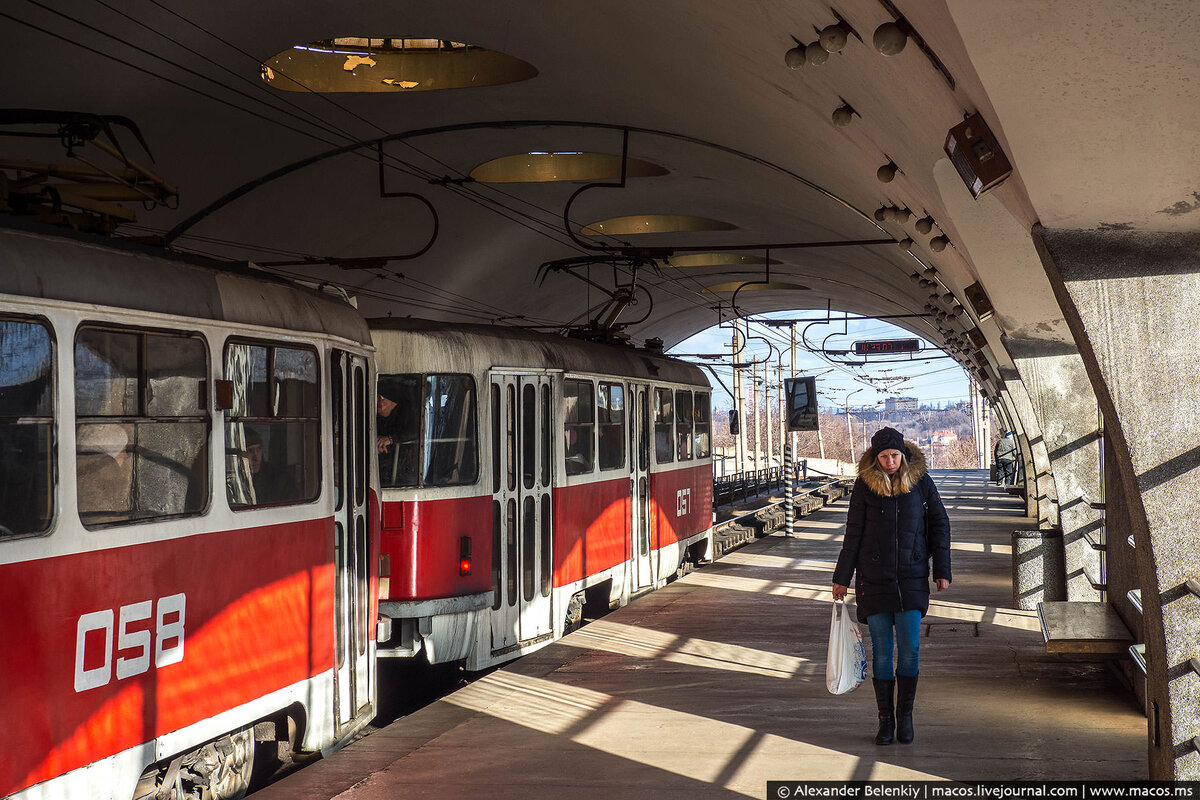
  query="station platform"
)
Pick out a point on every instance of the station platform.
point(716, 684)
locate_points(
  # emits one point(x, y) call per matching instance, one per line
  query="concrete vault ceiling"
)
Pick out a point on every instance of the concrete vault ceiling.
point(1096, 109)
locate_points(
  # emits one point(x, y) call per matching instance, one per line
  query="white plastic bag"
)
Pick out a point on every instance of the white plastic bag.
point(846, 664)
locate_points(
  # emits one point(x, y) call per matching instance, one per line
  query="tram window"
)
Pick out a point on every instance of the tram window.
point(664, 427)
point(546, 440)
point(398, 429)
point(141, 428)
point(701, 416)
point(529, 536)
point(426, 427)
point(579, 424)
point(611, 413)
point(529, 435)
point(495, 438)
point(547, 536)
point(497, 598)
point(683, 425)
point(510, 438)
point(26, 427)
point(449, 457)
point(273, 430)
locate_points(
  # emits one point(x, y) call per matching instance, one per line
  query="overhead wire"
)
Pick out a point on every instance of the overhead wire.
point(405, 167)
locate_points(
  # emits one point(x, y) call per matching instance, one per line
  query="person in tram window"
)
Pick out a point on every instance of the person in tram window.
point(103, 473)
point(396, 430)
point(271, 485)
point(1006, 459)
point(895, 525)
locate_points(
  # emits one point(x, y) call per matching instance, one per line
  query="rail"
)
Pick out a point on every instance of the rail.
point(799, 493)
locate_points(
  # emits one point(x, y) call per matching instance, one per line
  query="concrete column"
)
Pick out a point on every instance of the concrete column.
point(1040, 499)
point(1062, 397)
point(1131, 300)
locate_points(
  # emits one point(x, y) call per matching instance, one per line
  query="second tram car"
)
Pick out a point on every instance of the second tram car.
point(524, 474)
point(188, 533)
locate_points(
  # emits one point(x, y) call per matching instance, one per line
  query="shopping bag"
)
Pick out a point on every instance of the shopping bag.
point(846, 664)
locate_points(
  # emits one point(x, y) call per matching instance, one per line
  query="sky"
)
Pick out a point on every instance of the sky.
point(932, 380)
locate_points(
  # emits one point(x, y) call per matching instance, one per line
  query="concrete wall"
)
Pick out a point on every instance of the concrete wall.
point(1131, 300)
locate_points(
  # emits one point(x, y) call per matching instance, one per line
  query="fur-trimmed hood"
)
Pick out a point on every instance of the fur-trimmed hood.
point(912, 469)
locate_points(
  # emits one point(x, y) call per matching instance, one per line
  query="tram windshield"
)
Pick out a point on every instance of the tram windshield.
point(26, 427)
point(426, 431)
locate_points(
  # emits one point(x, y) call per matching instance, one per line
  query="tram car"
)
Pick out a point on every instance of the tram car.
point(188, 528)
point(523, 475)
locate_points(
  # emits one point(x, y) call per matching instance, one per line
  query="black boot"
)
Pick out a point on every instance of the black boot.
point(884, 692)
point(904, 707)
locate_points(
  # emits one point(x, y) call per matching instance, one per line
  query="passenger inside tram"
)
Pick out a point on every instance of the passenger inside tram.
point(397, 434)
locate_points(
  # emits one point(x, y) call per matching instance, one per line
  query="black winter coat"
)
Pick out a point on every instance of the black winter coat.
point(893, 529)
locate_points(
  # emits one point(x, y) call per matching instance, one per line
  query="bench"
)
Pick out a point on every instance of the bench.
point(1089, 628)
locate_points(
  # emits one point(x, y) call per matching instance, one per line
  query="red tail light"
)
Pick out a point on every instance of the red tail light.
point(464, 555)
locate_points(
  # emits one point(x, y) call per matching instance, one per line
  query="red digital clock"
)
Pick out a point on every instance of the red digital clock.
point(887, 346)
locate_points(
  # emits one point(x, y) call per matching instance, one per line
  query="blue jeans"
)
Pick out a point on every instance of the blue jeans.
point(907, 641)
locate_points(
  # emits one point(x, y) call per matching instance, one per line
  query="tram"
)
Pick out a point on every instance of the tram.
point(523, 475)
point(188, 525)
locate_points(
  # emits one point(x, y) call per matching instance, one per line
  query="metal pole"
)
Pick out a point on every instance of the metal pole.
point(767, 410)
point(850, 430)
point(789, 512)
point(754, 401)
point(784, 436)
point(739, 403)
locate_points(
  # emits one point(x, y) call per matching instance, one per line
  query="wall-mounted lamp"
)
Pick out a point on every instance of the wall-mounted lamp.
point(833, 38)
point(843, 114)
point(906, 243)
point(901, 215)
point(815, 54)
point(887, 172)
point(915, 277)
point(881, 214)
point(794, 58)
point(938, 243)
point(925, 224)
point(890, 38)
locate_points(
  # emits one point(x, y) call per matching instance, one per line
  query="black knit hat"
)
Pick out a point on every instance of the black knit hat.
point(887, 439)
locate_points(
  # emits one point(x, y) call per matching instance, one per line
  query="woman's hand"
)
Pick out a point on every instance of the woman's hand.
point(942, 584)
point(839, 591)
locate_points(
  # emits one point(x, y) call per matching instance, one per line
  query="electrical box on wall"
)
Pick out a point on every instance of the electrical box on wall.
point(977, 156)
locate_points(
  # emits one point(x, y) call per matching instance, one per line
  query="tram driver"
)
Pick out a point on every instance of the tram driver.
point(396, 429)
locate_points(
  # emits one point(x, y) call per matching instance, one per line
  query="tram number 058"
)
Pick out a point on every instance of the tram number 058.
point(122, 634)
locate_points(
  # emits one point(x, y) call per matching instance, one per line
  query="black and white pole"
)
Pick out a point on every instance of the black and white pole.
point(789, 475)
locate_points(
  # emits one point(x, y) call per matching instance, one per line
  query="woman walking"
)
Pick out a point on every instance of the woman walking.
point(895, 525)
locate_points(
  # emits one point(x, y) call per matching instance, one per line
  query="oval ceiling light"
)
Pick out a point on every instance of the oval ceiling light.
point(713, 260)
point(362, 64)
point(544, 167)
point(733, 286)
point(654, 223)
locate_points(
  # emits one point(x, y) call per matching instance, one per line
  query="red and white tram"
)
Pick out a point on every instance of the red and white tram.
point(188, 534)
point(522, 474)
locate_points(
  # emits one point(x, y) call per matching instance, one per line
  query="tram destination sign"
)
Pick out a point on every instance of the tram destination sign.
point(886, 346)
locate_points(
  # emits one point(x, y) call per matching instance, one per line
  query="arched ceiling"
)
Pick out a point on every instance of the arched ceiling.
point(1097, 112)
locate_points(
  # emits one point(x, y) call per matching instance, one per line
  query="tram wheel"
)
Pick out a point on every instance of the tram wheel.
point(223, 768)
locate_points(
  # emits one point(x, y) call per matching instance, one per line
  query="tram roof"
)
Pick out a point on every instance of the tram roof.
point(441, 346)
point(95, 271)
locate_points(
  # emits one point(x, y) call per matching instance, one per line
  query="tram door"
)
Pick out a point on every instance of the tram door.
point(522, 529)
point(639, 462)
point(353, 404)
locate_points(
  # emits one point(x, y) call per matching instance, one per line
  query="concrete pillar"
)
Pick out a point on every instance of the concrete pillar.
point(1062, 397)
point(1131, 300)
point(1040, 499)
